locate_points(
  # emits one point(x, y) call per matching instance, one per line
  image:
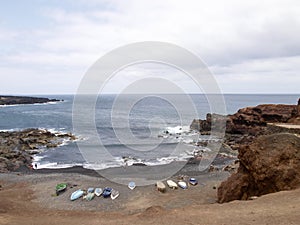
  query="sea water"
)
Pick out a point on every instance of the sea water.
point(161, 114)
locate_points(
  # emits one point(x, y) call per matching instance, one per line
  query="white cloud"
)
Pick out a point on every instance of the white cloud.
point(240, 41)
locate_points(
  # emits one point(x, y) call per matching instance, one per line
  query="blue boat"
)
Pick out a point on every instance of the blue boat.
point(193, 181)
point(77, 194)
point(106, 192)
point(90, 190)
point(131, 185)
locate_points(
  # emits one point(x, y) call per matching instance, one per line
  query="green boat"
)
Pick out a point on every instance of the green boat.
point(60, 188)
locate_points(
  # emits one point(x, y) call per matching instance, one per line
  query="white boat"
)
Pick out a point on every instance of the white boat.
point(98, 192)
point(114, 194)
point(160, 186)
point(172, 184)
point(182, 184)
point(131, 185)
point(77, 194)
point(90, 196)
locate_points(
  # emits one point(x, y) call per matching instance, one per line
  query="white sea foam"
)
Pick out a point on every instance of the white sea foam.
point(34, 104)
point(8, 130)
point(55, 165)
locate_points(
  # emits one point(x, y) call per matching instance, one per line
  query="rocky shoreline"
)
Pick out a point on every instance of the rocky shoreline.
point(18, 147)
point(17, 100)
point(266, 138)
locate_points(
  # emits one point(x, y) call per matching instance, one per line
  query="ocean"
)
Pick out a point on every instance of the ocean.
point(148, 119)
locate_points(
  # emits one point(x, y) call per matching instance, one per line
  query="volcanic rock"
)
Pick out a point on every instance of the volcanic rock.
point(270, 164)
point(16, 147)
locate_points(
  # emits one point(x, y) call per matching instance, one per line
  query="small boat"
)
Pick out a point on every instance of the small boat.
point(98, 192)
point(160, 186)
point(193, 181)
point(182, 184)
point(106, 192)
point(60, 188)
point(114, 194)
point(90, 190)
point(90, 196)
point(77, 194)
point(172, 184)
point(131, 185)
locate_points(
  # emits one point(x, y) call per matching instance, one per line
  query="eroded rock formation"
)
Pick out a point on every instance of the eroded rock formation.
point(270, 164)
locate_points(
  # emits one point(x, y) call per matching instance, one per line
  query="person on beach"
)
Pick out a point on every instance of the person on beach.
point(35, 165)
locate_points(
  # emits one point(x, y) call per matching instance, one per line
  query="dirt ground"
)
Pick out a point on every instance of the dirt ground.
point(27, 199)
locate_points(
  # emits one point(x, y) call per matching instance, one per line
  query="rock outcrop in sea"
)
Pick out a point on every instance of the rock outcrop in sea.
point(17, 147)
point(16, 100)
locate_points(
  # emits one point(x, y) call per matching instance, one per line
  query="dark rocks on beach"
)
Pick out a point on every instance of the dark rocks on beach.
point(17, 147)
point(270, 164)
point(212, 121)
point(15, 100)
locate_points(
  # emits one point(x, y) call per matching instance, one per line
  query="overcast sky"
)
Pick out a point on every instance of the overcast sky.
point(250, 46)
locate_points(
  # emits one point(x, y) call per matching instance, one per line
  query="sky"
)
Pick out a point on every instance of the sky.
point(46, 47)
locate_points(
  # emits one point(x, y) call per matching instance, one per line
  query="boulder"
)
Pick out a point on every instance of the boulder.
point(269, 164)
point(213, 121)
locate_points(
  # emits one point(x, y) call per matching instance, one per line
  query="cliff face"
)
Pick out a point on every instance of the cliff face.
point(250, 120)
point(270, 164)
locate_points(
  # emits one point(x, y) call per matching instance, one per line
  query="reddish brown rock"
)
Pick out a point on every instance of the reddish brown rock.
point(252, 120)
point(296, 118)
point(270, 164)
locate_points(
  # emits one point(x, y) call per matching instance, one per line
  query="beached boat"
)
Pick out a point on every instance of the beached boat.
point(60, 188)
point(106, 192)
point(160, 186)
point(193, 181)
point(77, 194)
point(90, 190)
point(131, 185)
point(114, 194)
point(90, 196)
point(172, 184)
point(182, 184)
point(98, 192)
